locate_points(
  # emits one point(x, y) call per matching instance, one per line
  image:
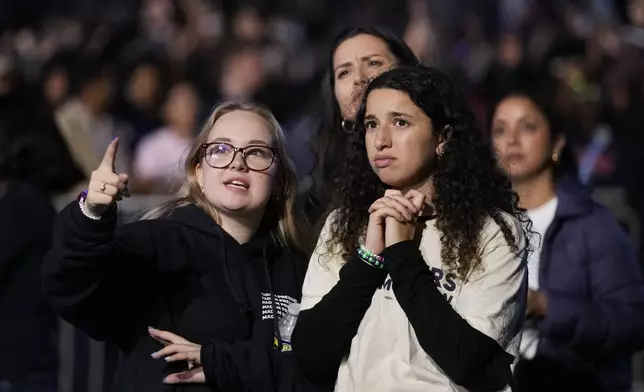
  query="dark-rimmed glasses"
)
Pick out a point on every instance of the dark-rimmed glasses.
point(220, 155)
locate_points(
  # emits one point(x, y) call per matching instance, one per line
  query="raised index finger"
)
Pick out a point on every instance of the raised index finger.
point(110, 155)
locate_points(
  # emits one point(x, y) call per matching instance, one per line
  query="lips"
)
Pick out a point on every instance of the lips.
point(382, 161)
point(237, 183)
point(513, 157)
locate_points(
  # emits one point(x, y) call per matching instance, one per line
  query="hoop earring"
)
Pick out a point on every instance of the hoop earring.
point(555, 157)
point(348, 126)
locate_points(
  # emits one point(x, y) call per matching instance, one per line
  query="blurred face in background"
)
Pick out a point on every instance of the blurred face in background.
point(181, 109)
point(522, 138)
point(243, 74)
point(143, 86)
point(56, 87)
point(636, 12)
point(248, 25)
point(357, 61)
point(510, 51)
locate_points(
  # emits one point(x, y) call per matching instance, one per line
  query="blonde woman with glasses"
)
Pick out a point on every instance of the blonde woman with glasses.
point(217, 266)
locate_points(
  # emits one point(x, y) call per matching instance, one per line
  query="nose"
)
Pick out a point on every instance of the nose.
point(512, 137)
point(238, 162)
point(359, 76)
point(382, 139)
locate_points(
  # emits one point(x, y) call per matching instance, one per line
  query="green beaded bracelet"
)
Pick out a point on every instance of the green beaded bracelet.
point(371, 258)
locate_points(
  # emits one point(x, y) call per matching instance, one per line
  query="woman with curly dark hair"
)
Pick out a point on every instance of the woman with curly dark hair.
point(418, 281)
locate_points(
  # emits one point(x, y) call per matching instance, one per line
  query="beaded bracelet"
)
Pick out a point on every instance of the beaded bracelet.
point(370, 258)
point(83, 208)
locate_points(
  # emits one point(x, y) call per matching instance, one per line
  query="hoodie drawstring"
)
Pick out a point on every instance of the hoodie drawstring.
point(243, 306)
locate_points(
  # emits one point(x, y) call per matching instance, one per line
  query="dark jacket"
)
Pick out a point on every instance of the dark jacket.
point(28, 326)
point(593, 283)
point(184, 274)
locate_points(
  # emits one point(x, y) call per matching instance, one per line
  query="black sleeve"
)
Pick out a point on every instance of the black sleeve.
point(466, 355)
point(249, 366)
point(95, 275)
point(323, 334)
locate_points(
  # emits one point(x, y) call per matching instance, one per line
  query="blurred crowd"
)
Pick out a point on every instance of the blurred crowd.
point(149, 70)
point(76, 73)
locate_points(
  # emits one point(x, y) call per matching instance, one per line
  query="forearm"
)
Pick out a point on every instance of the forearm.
point(462, 352)
point(249, 366)
point(322, 337)
point(90, 276)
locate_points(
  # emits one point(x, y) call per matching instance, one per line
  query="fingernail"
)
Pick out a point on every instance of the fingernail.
point(167, 359)
point(114, 138)
point(153, 355)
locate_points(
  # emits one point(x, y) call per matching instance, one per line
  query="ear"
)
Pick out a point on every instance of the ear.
point(199, 174)
point(558, 144)
point(440, 146)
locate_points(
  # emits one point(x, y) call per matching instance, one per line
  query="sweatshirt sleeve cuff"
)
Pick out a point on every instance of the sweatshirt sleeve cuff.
point(401, 254)
point(207, 357)
point(87, 224)
point(358, 269)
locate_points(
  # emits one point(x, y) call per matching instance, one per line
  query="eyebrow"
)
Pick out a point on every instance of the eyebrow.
point(390, 114)
point(363, 58)
point(398, 114)
point(250, 142)
point(526, 118)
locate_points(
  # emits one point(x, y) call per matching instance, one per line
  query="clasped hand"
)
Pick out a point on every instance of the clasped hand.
point(392, 219)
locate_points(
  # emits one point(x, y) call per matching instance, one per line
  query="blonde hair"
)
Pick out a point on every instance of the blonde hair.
point(279, 217)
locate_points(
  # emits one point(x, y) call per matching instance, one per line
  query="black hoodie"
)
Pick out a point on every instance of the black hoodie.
point(184, 274)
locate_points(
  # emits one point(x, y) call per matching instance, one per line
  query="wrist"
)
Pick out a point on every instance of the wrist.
point(377, 250)
point(91, 212)
point(373, 259)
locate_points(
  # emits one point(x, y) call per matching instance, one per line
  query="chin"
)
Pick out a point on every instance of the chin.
point(236, 208)
point(520, 177)
point(516, 174)
point(393, 181)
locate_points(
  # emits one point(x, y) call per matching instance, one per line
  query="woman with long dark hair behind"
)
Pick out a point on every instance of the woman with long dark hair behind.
point(585, 310)
point(418, 281)
point(357, 56)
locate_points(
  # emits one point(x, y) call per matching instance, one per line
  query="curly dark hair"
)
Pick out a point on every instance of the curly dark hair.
point(468, 186)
